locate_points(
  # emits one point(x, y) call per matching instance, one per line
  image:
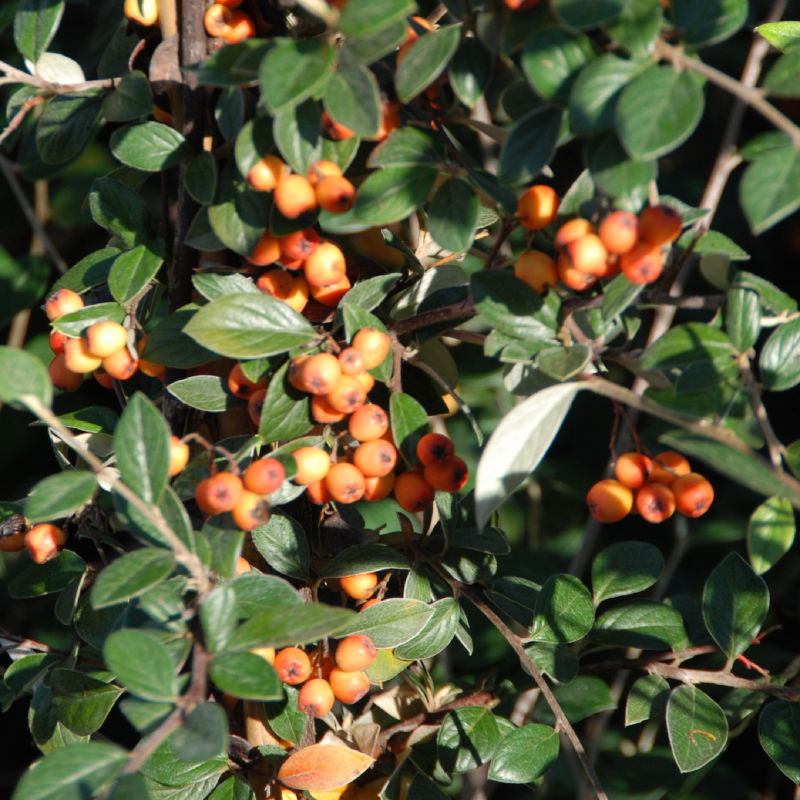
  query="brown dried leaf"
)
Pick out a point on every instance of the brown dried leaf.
point(322, 767)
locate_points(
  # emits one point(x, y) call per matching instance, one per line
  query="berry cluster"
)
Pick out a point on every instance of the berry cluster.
point(653, 487)
point(43, 541)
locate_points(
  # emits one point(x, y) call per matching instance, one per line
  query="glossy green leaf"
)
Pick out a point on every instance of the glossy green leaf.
point(779, 734)
point(234, 65)
point(782, 78)
point(119, 209)
point(239, 217)
point(649, 129)
point(294, 69)
point(142, 664)
point(594, 94)
point(406, 147)
point(638, 26)
point(369, 293)
point(646, 698)
point(529, 146)
point(453, 215)
point(255, 592)
point(641, 623)
point(59, 495)
point(467, 738)
point(438, 632)
point(782, 35)
point(552, 59)
point(204, 392)
point(470, 71)
point(213, 285)
point(203, 734)
point(21, 373)
point(409, 422)
point(374, 45)
point(284, 545)
point(580, 698)
point(556, 660)
point(392, 193)
point(524, 754)
point(91, 270)
point(249, 326)
point(625, 568)
point(219, 615)
point(614, 172)
point(352, 98)
point(168, 770)
point(714, 242)
point(363, 16)
point(67, 125)
point(148, 146)
point(168, 344)
point(76, 322)
point(201, 177)
point(563, 612)
point(35, 25)
point(132, 271)
point(779, 362)
point(24, 281)
point(246, 675)
point(297, 624)
point(391, 622)
point(362, 558)
point(130, 99)
point(53, 576)
point(425, 60)
point(81, 702)
point(743, 317)
point(697, 728)
point(297, 131)
point(713, 22)
point(772, 298)
point(563, 363)
point(579, 14)
point(770, 188)
point(770, 533)
point(131, 575)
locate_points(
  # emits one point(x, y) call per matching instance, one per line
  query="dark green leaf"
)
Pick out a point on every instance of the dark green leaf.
point(425, 60)
point(406, 147)
point(229, 111)
point(295, 624)
point(714, 242)
point(613, 172)
point(743, 317)
point(579, 14)
point(364, 558)
point(409, 422)
point(782, 79)
point(293, 70)
point(163, 766)
point(564, 610)
point(239, 216)
point(362, 17)
point(58, 495)
point(255, 592)
point(203, 734)
point(779, 734)
point(779, 362)
point(392, 193)
point(467, 738)
point(647, 698)
point(391, 622)
point(712, 23)
point(130, 99)
point(201, 177)
point(286, 411)
point(637, 28)
point(76, 322)
point(770, 533)
point(53, 576)
point(21, 374)
point(372, 46)
point(529, 145)
point(470, 71)
point(284, 545)
point(563, 363)
point(352, 98)
point(233, 65)
point(81, 702)
point(204, 392)
point(772, 298)
point(641, 623)
point(142, 664)
point(24, 281)
point(93, 419)
point(625, 568)
point(168, 344)
point(436, 635)
point(369, 293)
point(297, 131)
point(246, 675)
point(524, 754)
point(770, 188)
point(552, 59)
point(131, 575)
point(556, 660)
point(35, 24)
point(697, 728)
point(148, 146)
point(132, 271)
point(120, 210)
point(92, 270)
point(67, 125)
point(219, 615)
point(580, 698)
point(594, 94)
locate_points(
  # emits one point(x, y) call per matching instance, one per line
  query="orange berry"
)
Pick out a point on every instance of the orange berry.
point(378, 488)
point(412, 492)
point(105, 338)
point(322, 169)
point(240, 385)
point(366, 380)
point(335, 194)
point(219, 493)
point(331, 295)
point(77, 357)
point(267, 653)
point(642, 264)
point(435, 448)
point(292, 665)
point(368, 423)
point(298, 246)
point(536, 269)
point(142, 12)
point(61, 377)
point(241, 27)
point(62, 302)
point(355, 652)
point(413, 36)
point(320, 373)
point(609, 500)
point(573, 278)
point(348, 687)
point(667, 466)
point(217, 19)
point(13, 541)
point(255, 405)
point(619, 231)
point(316, 698)
point(520, 5)
point(230, 3)
point(659, 225)
point(103, 378)
point(633, 469)
point(572, 229)
point(294, 373)
point(264, 475)
point(267, 251)
point(359, 586)
point(56, 341)
point(121, 365)
point(345, 482)
point(251, 511)
point(276, 282)
point(351, 361)
point(293, 196)
point(313, 464)
point(693, 494)
point(390, 119)
point(334, 130)
point(587, 254)
point(242, 566)
point(372, 602)
point(149, 368)
point(317, 492)
point(376, 458)
point(537, 207)
point(44, 541)
point(374, 346)
point(655, 502)
point(325, 266)
point(347, 395)
point(448, 477)
point(323, 412)
point(178, 455)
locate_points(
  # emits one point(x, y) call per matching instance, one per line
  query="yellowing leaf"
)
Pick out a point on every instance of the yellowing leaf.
point(323, 767)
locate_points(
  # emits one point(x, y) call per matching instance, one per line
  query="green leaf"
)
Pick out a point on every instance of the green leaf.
point(24, 281)
point(406, 147)
point(467, 738)
point(201, 177)
point(142, 664)
point(21, 374)
point(168, 344)
point(697, 728)
point(453, 215)
point(369, 293)
point(637, 28)
point(203, 734)
point(93, 419)
point(625, 568)
point(141, 441)
point(772, 298)
point(524, 754)
point(647, 698)
point(579, 14)
point(219, 615)
point(249, 326)
point(470, 71)
point(294, 69)
point(564, 610)
point(297, 131)
point(286, 411)
point(614, 173)
point(295, 624)
point(438, 632)
point(58, 495)
point(284, 545)
point(712, 23)
point(81, 702)
point(518, 444)
point(714, 242)
point(392, 193)
point(409, 422)
point(552, 59)
point(375, 45)
point(563, 363)
point(240, 215)
point(204, 392)
point(658, 111)
point(529, 146)
point(641, 623)
point(132, 271)
point(782, 35)
point(164, 766)
point(743, 317)
point(245, 675)
point(770, 188)
point(131, 575)
point(391, 622)
point(362, 17)
point(425, 60)
point(92, 270)
point(233, 65)
point(212, 285)
point(255, 592)
point(67, 125)
point(130, 99)
point(779, 362)
point(770, 533)
point(148, 146)
point(35, 25)
point(779, 734)
point(54, 576)
point(735, 604)
point(580, 698)
point(75, 771)
point(352, 98)
point(362, 558)
point(76, 322)
point(782, 77)
point(119, 209)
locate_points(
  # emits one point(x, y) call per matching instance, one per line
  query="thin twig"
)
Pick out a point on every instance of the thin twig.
point(774, 447)
point(457, 311)
point(15, 75)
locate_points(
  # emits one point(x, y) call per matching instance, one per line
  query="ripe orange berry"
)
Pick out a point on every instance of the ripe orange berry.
point(241, 27)
point(77, 358)
point(609, 500)
point(178, 455)
point(520, 5)
point(348, 687)
point(659, 225)
point(448, 477)
point(536, 269)
point(366, 380)
point(355, 652)
point(242, 566)
point(335, 194)
point(435, 448)
point(62, 302)
point(693, 494)
point(294, 195)
point(376, 458)
point(323, 412)
point(219, 493)
point(619, 231)
point(390, 119)
point(372, 602)
point(290, 289)
point(294, 374)
point(322, 169)
point(667, 466)
point(44, 541)
point(334, 130)
point(378, 488)
point(573, 278)
point(655, 502)
point(642, 264)
point(103, 378)
point(240, 385)
point(317, 492)
point(368, 423)
point(105, 338)
point(251, 511)
point(264, 475)
point(255, 405)
point(217, 19)
point(351, 361)
point(347, 395)
point(345, 482)
point(267, 251)
point(412, 492)
point(316, 698)
point(320, 373)
point(149, 368)
point(325, 266)
point(267, 653)
point(331, 295)
point(292, 665)
point(121, 365)
point(633, 469)
point(298, 246)
point(61, 377)
point(56, 341)
point(359, 586)
point(313, 464)
point(230, 3)
point(587, 254)
point(12, 537)
point(537, 207)
point(142, 12)
point(374, 346)
point(572, 229)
